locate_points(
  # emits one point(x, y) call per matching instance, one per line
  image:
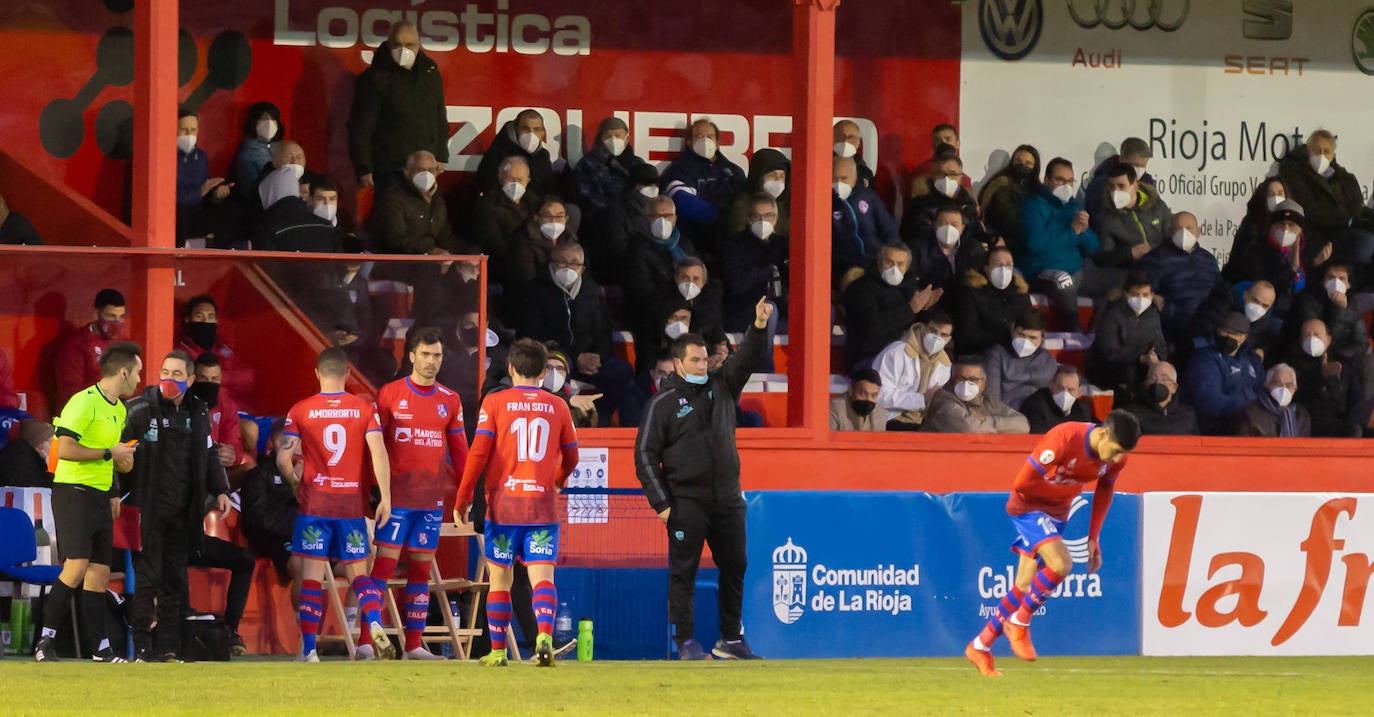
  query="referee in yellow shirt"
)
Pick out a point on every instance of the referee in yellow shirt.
point(85, 498)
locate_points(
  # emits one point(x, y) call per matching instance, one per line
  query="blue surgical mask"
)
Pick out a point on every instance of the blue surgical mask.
point(696, 380)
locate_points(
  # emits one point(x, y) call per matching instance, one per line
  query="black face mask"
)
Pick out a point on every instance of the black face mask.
point(202, 333)
point(469, 336)
point(863, 409)
point(1021, 172)
point(1227, 345)
point(1157, 392)
point(205, 391)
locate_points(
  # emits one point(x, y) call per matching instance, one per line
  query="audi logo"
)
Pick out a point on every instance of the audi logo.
point(1117, 14)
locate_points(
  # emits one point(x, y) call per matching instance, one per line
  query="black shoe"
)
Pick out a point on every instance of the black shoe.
point(170, 656)
point(237, 648)
point(690, 650)
point(107, 655)
point(45, 650)
point(145, 655)
point(734, 650)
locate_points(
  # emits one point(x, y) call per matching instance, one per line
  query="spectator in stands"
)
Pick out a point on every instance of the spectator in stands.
point(268, 511)
point(1058, 402)
point(77, 364)
point(989, 301)
point(1182, 275)
point(200, 197)
point(287, 158)
point(648, 272)
point(912, 369)
point(943, 255)
point(1328, 388)
point(1330, 301)
point(566, 305)
point(1136, 154)
point(1003, 193)
point(499, 215)
point(1253, 299)
point(24, 462)
point(1330, 197)
point(1159, 407)
point(606, 171)
point(15, 228)
point(881, 304)
point(1254, 228)
point(1127, 339)
point(755, 263)
point(398, 109)
point(322, 196)
point(657, 340)
point(1283, 259)
point(522, 137)
point(848, 143)
point(769, 174)
point(963, 406)
point(861, 226)
point(935, 193)
point(944, 143)
point(1132, 221)
point(289, 224)
point(1057, 237)
point(200, 334)
point(607, 238)
point(582, 406)
point(857, 409)
point(224, 415)
point(411, 218)
point(1223, 377)
point(645, 386)
point(693, 290)
point(1273, 414)
point(262, 131)
point(1019, 367)
point(532, 246)
point(702, 183)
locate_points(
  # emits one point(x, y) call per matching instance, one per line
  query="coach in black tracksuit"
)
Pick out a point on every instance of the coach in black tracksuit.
point(177, 479)
point(686, 459)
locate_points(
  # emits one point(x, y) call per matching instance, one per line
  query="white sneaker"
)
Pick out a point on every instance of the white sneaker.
point(380, 640)
point(312, 656)
point(421, 653)
point(364, 652)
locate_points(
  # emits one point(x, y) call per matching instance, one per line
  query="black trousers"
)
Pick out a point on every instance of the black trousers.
point(159, 582)
point(215, 553)
point(691, 524)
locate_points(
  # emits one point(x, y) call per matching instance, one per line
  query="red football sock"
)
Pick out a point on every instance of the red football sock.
point(1040, 590)
point(382, 570)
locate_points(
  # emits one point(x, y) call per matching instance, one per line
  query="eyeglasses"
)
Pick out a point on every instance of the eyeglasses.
point(567, 264)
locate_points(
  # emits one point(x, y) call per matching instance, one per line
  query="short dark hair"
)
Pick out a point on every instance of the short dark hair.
point(181, 356)
point(1057, 162)
point(1123, 427)
point(680, 344)
point(939, 317)
point(184, 112)
point(255, 113)
point(119, 356)
point(1134, 279)
point(524, 114)
point(866, 374)
point(937, 129)
point(199, 299)
point(207, 360)
point(1121, 169)
point(762, 198)
point(1031, 320)
point(551, 199)
point(527, 357)
point(946, 152)
point(333, 362)
point(970, 360)
point(323, 183)
point(108, 297)
point(424, 335)
point(1065, 369)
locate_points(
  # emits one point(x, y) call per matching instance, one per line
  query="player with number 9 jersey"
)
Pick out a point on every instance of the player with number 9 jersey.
point(332, 428)
point(526, 442)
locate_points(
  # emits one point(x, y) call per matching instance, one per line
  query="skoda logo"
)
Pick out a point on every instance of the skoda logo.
point(1362, 42)
point(1166, 15)
point(1010, 28)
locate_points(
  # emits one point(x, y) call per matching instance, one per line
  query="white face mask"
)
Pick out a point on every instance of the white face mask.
point(1064, 400)
point(761, 229)
point(947, 186)
point(1121, 199)
point(842, 190)
point(1063, 193)
point(1274, 201)
point(947, 235)
point(614, 145)
point(326, 211)
point(186, 142)
point(565, 277)
point(553, 381)
point(649, 191)
point(774, 187)
point(514, 191)
point(1284, 237)
point(1138, 304)
point(705, 147)
point(267, 129)
point(529, 141)
point(688, 290)
point(1281, 396)
point(1319, 163)
point(675, 329)
point(966, 390)
point(296, 169)
point(424, 181)
point(892, 275)
point(552, 230)
point(1000, 277)
point(1023, 346)
point(845, 149)
point(661, 228)
point(933, 343)
point(1185, 240)
point(403, 56)
point(1313, 346)
point(1335, 286)
point(1254, 312)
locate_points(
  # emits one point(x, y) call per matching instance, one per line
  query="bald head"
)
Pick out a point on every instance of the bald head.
point(514, 169)
point(288, 152)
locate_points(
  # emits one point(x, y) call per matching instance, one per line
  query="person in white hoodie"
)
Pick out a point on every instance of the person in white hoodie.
point(912, 369)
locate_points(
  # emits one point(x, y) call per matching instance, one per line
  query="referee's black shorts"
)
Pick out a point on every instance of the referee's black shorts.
point(85, 528)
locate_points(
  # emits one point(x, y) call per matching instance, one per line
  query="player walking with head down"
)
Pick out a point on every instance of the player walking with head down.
point(328, 430)
point(526, 443)
point(1066, 459)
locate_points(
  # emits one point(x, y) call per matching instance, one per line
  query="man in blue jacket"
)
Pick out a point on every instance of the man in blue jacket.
point(1223, 377)
point(1057, 238)
point(1183, 274)
point(702, 183)
point(861, 225)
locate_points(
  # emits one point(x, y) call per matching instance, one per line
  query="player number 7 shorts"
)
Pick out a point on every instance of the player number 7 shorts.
point(415, 529)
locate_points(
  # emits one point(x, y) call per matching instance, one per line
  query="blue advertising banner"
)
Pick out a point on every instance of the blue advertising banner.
point(892, 574)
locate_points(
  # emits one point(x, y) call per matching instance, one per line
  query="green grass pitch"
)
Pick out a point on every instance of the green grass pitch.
point(1250, 686)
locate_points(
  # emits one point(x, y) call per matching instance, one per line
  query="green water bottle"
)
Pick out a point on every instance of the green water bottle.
point(21, 625)
point(584, 640)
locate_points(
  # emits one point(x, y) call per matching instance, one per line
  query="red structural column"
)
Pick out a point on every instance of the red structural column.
point(154, 188)
point(813, 110)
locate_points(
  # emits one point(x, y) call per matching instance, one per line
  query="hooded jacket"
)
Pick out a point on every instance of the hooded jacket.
point(405, 222)
point(1184, 279)
point(396, 112)
point(1051, 243)
point(685, 447)
point(1120, 230)
point(947, 414)
point(911, 375)
point(505, 144)
point(1330, 204)
point(761, 163)
point(753, 267)
point(985, 313)
point(148, 413)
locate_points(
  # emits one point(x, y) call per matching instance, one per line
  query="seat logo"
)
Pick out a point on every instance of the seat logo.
point(1139, 14)
point(1010, 28)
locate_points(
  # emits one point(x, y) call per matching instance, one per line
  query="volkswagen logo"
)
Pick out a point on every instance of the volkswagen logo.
point(1010, 28)
point(1139, 14)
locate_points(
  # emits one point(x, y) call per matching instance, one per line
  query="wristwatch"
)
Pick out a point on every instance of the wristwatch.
point(108, 454)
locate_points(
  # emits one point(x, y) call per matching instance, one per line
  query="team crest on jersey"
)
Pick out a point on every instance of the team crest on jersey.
point(424, 538)
point(1046, 457)
point(404, 405)
point(443, 411)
